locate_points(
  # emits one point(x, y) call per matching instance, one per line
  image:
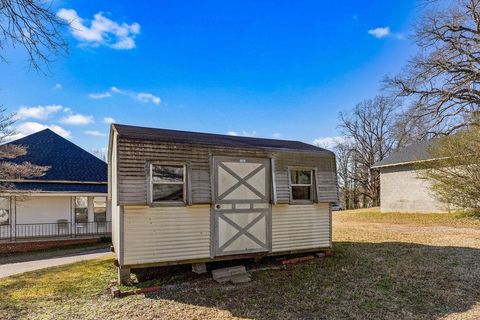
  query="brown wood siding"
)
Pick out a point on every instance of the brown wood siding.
point(133, 157)
point(326, 174)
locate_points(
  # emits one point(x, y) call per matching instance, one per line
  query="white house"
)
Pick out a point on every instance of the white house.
point(69, 201)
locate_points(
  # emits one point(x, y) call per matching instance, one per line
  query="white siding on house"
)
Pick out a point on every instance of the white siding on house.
point(158, 234)
point(401, 190)
point(48, 209)
point(112, 197)
point(300, 227)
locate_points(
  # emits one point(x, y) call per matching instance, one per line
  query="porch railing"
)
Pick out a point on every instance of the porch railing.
point(53, 230)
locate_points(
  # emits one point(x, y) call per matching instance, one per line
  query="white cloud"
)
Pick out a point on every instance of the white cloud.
point(58, 86)
point(102, 30)
point(26, 128)
point(243, 133)
point(329, 142)
point(276, 135)
point(101, 95)
point(116, 90)
point(380, 32)
point(108, 120)
point(140, 96)
point(95, 133)
point(148, 97)
point(77, 119)
point(38, 112)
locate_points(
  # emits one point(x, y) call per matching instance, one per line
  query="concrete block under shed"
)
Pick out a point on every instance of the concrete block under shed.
point(237, 274)
point(199, 268)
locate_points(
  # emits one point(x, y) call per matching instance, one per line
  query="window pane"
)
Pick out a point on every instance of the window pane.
point(81, 209)
point(81, 202)
point(4, 216)
point(300, 176)
point(4, 210)
point(167, 174)
point(301, 193)
point(167, 192)
point(4, 203)
point(99, 209)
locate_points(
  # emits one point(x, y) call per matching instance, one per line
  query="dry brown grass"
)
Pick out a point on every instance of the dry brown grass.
point(386, 267)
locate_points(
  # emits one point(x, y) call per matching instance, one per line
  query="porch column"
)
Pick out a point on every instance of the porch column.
point(90, 209)
point(109, 210)
point(13, 218)
point(72, 217)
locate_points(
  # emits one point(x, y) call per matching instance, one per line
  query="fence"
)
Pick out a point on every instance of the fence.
point(53, 230)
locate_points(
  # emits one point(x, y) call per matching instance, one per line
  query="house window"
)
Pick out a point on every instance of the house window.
point(99, 209)
point(167, 183)
point(301, 185)
point(4, 210)
point(81, 209)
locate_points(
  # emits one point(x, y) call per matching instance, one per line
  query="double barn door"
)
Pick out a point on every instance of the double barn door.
point(241, 208)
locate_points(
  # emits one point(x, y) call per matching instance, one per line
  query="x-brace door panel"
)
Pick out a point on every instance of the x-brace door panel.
point(241, 212)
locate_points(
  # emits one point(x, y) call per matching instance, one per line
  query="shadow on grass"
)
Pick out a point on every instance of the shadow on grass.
point(363, 281)
point(7, 258)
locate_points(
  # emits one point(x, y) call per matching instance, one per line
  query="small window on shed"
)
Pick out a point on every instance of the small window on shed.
point(167, 183)
point(301, 185)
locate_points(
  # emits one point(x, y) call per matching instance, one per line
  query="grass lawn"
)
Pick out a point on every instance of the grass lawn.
point(392, 266)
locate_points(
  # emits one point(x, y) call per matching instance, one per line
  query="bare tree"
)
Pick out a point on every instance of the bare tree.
point(443, 80)
point(33, 25)
point(346, 170)
point(455, 172)
point(10, 171)
point(370, 128)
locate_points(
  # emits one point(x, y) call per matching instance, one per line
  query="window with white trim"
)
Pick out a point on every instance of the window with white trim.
point(167, 183)
point(81, 209)
point(99, 209)
point(4, 210)
point(301, 186)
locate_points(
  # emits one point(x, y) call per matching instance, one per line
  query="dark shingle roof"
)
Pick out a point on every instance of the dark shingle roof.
point(417, 151)
point(61, 187)
point(67, 161)
point(175, 136)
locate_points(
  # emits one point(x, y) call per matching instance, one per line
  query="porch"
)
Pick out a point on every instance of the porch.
point(33, 231)
point(53, 216)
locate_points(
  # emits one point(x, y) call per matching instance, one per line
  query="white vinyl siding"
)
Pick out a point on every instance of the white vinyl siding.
point(50, 209)
point(159, 234)
point(297, 227)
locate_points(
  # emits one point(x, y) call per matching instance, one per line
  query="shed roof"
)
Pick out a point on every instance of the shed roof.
point(187, 137)
point(417, 151)
point(67, 161)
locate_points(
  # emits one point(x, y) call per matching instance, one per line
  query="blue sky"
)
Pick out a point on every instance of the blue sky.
point(280, 69)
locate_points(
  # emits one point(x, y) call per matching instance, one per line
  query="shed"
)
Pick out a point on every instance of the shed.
point(401, 188)
point(185, 197)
